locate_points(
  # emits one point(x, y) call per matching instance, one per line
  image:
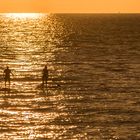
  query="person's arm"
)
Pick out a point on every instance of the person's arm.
point(11, 73)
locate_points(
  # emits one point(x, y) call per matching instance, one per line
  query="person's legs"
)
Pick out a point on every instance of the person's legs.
point(9, 81)
point(6, 79)
point(46, 80)
point(5, 82)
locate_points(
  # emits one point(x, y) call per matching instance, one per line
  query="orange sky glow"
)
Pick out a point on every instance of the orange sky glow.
point(70, 6)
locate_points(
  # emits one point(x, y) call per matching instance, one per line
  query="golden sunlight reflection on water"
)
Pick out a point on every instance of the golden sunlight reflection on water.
point(25, 112)
point(92, 89)
point(24, 15)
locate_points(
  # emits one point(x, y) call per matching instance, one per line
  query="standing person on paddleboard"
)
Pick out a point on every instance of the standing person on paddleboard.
point(7, 73)
point(45, 75)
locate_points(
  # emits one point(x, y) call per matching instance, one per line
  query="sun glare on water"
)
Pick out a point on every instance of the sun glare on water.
point(24, 15)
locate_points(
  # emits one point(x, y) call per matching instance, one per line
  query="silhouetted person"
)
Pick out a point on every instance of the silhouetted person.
point(45, 75)
point(7, 73)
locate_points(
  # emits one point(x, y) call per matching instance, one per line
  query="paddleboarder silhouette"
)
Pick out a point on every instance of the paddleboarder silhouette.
point(7, 73)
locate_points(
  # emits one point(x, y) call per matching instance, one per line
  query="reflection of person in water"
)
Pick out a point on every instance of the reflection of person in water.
point(7, 73)
point(45, 75)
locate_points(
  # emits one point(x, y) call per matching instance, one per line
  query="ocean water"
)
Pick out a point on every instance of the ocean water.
point(93, 90)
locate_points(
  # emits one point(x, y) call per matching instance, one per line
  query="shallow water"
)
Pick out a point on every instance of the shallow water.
point(94, 77)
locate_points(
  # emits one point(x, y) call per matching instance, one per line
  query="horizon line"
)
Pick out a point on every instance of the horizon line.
point(69, 13)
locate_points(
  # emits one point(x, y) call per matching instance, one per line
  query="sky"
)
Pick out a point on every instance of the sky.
point(70, 6)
